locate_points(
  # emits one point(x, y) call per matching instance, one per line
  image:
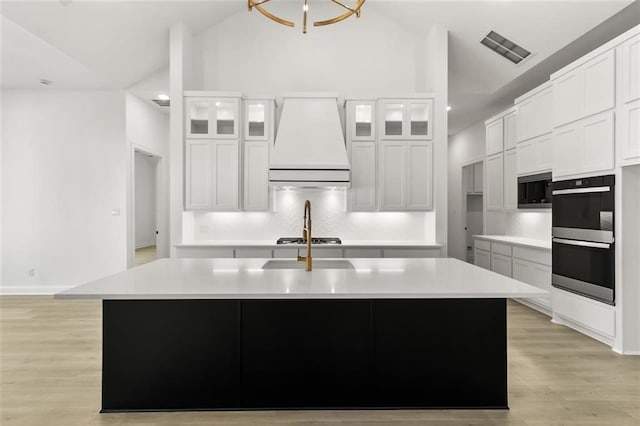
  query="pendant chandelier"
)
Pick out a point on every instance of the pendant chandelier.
point(355, 10)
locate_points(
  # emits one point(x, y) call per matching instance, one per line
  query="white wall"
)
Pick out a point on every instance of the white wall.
point(145, 201)
point(362, 57)
point(64, 188)
point(465, 148)
point(329, 215)
point(529, 224)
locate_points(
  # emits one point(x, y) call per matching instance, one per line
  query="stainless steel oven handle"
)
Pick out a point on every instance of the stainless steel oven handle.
point(581, 243)
point(581, 190)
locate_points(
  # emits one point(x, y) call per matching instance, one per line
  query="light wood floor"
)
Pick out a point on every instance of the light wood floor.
point(50, 375)
point(145, 255)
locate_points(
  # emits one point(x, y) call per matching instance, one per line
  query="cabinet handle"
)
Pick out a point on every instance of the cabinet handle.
point(581, 243)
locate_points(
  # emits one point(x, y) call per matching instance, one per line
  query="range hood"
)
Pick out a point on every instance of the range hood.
point(309, 150)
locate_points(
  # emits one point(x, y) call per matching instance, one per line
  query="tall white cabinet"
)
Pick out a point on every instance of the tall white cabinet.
point(500, 173)
point(257, 138)
point(361, 147)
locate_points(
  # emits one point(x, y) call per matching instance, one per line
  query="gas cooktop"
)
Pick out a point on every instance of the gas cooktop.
point(298, 240)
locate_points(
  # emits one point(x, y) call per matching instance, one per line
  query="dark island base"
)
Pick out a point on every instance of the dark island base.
point(174, 355)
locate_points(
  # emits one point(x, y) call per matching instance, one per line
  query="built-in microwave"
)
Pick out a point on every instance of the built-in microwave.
point(534, 191)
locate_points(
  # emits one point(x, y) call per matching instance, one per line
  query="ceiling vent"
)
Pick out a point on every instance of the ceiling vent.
point(162, 102)
point(505, 48)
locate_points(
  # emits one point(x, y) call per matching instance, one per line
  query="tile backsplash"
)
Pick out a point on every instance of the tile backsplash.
point(329, 219)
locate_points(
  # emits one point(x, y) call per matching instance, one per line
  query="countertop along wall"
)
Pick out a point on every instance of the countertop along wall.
point(365, 58)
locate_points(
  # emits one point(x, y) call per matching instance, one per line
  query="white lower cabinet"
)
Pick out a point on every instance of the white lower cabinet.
point(535, 274)
point(494, 176)
point(482, 254)
point(501, 264)
point(411, 253)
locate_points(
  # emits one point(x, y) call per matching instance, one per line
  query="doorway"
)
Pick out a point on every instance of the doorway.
point(145, 207)
point(472, 190)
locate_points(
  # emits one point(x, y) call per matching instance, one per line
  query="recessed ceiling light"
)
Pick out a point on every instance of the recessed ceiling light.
point(448, 107)
point(45, 82)
point(163, 96)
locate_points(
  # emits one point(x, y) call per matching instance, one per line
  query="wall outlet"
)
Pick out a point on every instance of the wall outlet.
point(32, 272)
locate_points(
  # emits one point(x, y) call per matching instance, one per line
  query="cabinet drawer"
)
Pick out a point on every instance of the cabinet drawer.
point(204, 252)
point(412, 253)
point(286, 253)
point(501, 249)
point(323, 252)
point(482, 245)
point(533, 255)
point(362, 252)
point(253, 252)
point(501, 264)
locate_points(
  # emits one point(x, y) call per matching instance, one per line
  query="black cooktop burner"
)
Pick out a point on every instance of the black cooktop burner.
point(298, 240)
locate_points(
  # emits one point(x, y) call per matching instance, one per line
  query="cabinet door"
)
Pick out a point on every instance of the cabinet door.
point(526, 158)
point(482, 258)
point(567, 98)
point(256, 176)
point(544, 155)
point(419, 175)
point(478, 178)
point(225, 175)
point(257, 120)
point(543, 111)
point(392, 119)
point(495, 182)
point(198, 179)
point(510, 131)
point(467, 178)
point(525, 119)
point(420, 123)
point(392, 175)
point(510, 180)
point(199, 117)
point(631, 69)
point(225, 118)
point(362, 194)
point(360, 119)
point(566, 150)
point(541, 276)
point(599, 84)
point(522, 270)
point(494, 136)
point(597, 143)
point(630, 130)
point(501, 264)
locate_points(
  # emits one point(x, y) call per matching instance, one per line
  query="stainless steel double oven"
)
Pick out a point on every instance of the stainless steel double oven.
point(583, 237)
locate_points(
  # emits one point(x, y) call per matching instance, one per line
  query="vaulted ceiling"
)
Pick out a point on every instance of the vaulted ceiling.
point(118, 44)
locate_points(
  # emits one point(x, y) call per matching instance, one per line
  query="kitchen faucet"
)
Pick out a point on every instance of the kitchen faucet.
point(306, 235)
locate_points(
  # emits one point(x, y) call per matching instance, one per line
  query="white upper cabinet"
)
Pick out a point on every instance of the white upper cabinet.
point(478, 178)
point(631, 69)
point(406, 118)
point(257, 120)
point(361, 120)
point(495, 136)
point(256, 176)
point(198, 180)
point(630, 131)
point(534, 116)
point(226, 190)
point(362, 193)
point(494, 175)
point(584, 146)
point(510, 130)
point(584, 90)
point(212, 117)
point(510, 180)
point(534, 155)
point(405, 175)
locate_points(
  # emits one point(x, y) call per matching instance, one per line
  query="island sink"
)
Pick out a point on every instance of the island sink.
point(317, 264)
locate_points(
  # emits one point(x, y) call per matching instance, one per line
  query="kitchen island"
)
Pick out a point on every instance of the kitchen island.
point(226, 334)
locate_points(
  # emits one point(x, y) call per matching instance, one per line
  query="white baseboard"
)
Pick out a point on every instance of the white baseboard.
point(31, 290)
point(594, 334)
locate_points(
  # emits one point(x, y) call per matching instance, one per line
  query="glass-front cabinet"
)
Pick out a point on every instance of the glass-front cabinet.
point(406, 118)
point(257, 117)
point(361, 116)
point(212, 117)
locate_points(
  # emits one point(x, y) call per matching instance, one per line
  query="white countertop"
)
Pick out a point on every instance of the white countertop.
point(345, 244)
point(520, 241)
point(244, 279)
